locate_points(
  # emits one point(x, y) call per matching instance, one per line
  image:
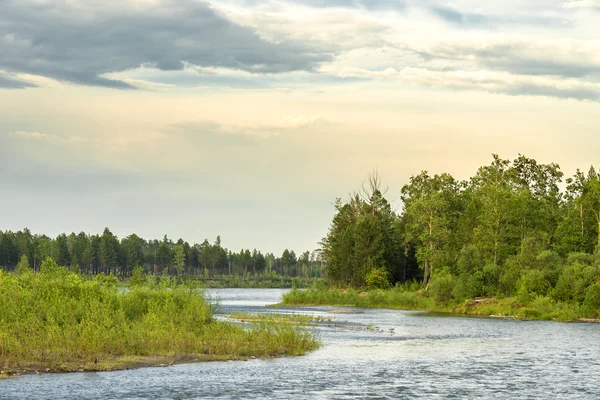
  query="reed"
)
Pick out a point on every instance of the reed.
point(58, 320)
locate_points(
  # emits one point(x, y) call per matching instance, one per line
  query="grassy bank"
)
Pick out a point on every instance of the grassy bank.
point(262, 281)
point(56, 320)
point(281, 319)
point(535, 308)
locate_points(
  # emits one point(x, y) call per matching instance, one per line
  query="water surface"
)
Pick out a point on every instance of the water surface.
point(372, 353)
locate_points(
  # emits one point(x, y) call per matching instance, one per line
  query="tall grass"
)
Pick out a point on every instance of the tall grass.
point(56, 318)
point(393, 298)
point(404, 297)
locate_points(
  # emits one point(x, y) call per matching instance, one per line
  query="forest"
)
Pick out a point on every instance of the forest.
point(105, 253)
point(514, 228)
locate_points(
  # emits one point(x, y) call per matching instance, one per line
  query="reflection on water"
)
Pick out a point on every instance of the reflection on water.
point(368, 354)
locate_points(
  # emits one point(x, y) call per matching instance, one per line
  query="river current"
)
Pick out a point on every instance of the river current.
point(370, 353)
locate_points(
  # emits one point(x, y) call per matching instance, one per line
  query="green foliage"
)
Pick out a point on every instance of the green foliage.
point(592, 299)
point(23, 266)
point(393, 298)
point(574, 281)
point(178, 258)
point(442, 286)
point(137, 277)
point(377, 278)
point(532, 282)
point(58, 317)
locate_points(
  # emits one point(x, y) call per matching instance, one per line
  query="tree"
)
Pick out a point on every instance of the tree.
point(9, 253)
point(338, 245)
point(164, 255)
point(23, 265)
point(107, 251)
point(205, 255)
point(133, 251)
point(586, 193)
point(178, 258)
point(430, 210)
point(60, 250)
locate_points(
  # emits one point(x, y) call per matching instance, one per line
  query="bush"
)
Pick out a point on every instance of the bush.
point(377, 278)
point(23, 265)
point(137, 277)
point(534, 282)
point(442, 286)
point(56, 318)
point(592, 300)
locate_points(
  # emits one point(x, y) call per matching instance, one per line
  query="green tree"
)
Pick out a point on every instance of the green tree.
point(430, 211)
point(60, 250)
point(23, 265)
point(178, 258)
point(107, 251)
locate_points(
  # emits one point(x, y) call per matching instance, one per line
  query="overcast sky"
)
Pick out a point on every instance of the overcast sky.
point(247, 118)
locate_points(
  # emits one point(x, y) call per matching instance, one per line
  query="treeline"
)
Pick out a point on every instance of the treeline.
point(508, 228)
point(105, 253)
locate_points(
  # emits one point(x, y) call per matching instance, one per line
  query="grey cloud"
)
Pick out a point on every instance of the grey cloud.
point(549, 91)
point(520, 64)
point(479, 20)
point(8, 82)
point(456, 17)
point(517, 58)
point(526, 89)
point(367, 4)
point(65, 41)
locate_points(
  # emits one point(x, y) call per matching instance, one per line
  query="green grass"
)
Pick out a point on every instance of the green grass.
point(536, 308)
point(281, 319)
point(57, 320)
point(260, 281)
point(392, 298)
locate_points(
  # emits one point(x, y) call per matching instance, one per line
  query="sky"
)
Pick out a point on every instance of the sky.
point(247, 118)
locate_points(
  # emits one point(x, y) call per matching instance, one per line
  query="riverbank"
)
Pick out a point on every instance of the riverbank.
point(115, 364)
point(537, 308)
point(56, 321)
point(261, 281)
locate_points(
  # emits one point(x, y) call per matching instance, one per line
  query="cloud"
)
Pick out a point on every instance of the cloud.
point(327, 30)
point(456, 17)
point(581, 4)
point(468, 19)
point(33, 135)
point(209, 133)
point(366, 4)
point(8, 81)
point(80, 42)
point(488, 81)
point(566, 58)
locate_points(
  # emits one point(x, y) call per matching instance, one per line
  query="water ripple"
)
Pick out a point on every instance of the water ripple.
point(375, 354)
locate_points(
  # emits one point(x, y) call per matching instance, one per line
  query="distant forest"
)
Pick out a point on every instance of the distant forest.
point(105, 253)
point(514, 224)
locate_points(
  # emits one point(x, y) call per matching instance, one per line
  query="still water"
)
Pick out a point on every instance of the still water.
point(377, 354)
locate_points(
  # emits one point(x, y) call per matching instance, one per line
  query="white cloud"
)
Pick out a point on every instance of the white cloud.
point(33, 135)
point(581, 4)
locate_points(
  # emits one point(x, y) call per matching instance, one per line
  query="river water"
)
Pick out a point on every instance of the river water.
point(375, 353)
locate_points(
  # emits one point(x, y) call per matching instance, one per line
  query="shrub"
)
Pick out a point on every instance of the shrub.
point(592, 299)
point(137, 276)
point(441, 287)
point(377, 278)
point(534, 282)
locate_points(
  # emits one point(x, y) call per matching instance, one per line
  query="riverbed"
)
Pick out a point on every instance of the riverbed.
point(365, 353)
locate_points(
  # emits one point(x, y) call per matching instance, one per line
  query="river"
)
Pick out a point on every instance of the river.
point(374, 353)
